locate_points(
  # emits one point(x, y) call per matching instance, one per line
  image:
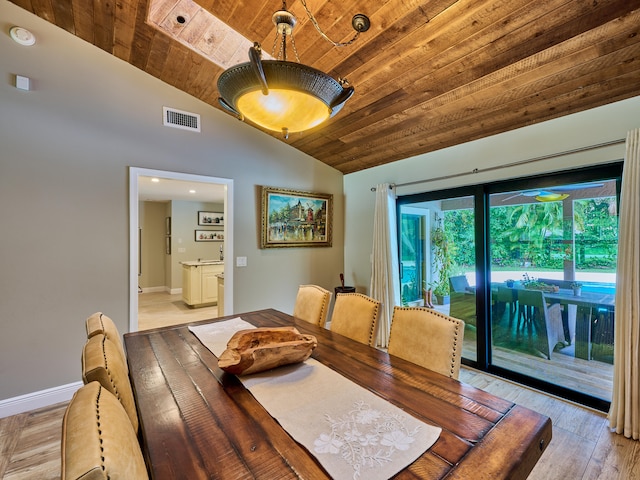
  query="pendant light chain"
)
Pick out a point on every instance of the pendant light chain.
point(324, 35)
point(284, 25)
point(282, 52)
point(295, 50)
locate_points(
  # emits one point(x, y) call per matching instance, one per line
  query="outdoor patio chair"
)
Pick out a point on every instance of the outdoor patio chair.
point(507, 300)
point(542, 323)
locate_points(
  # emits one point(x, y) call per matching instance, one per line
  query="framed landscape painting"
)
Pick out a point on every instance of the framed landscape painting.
point(292, 218)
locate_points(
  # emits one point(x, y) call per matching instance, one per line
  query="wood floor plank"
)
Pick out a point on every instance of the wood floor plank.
point(567, 457)
point(614, 457)
point(36, 451)
point(161, 309)
point(10, 428)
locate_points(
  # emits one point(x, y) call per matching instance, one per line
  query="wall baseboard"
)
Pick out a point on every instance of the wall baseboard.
point(153, 289)
point(35, 400)
point(171, 291)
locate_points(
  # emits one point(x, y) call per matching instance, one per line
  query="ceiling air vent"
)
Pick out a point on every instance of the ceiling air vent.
point(179, 119)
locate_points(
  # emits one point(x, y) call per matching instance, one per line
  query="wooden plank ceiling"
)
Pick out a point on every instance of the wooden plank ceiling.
point(427, 75)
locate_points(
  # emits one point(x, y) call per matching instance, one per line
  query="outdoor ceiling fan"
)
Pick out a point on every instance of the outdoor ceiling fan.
point(553, 194)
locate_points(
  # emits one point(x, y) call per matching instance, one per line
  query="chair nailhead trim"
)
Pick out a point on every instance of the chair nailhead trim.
point(100, 439)
point(449, 319)
point(106, 366)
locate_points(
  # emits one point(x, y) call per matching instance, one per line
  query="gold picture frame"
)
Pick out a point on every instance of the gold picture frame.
point(295, 218)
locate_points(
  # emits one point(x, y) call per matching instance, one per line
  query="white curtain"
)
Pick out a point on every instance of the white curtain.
point(384, 268)
point(624, 415)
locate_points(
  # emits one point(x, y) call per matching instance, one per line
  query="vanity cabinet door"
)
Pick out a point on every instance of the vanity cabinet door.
point(210, 283)
point(191, 285)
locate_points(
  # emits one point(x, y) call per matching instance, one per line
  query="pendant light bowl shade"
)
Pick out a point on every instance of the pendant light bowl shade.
point(298, 97)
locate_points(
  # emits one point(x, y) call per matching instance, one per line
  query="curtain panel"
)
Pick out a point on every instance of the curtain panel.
point(624, 415)
point(385, 278)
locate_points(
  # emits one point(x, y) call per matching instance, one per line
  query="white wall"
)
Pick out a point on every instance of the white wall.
point(597, 126)
point(65, 149)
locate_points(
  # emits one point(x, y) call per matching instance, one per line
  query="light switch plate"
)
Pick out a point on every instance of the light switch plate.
point(241, 261)
point(22, 83)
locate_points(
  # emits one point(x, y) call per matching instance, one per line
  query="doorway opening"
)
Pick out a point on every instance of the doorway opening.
point(178, 190)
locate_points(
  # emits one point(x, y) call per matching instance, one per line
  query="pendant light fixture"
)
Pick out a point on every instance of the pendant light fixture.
point(285, 96)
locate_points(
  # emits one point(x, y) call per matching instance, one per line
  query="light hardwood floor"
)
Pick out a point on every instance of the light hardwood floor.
point(161, 309)
point(582, 448)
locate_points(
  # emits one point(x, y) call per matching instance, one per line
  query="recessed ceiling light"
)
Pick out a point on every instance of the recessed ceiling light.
point(155, 180)
point(192, 191)
point(22, 36)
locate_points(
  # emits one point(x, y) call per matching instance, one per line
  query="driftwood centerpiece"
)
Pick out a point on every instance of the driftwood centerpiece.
point(258, 349)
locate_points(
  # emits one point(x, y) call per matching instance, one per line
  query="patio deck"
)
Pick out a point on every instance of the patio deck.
point(592, 377)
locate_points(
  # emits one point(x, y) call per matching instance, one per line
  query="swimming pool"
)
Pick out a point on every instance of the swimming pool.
point(604, 288)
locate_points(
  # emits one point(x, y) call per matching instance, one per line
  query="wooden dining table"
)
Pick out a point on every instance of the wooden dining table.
point(197, 421)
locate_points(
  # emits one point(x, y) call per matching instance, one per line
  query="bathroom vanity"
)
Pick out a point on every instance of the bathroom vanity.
point(200, 282)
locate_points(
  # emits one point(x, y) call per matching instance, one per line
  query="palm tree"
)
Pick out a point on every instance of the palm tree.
point(531, 224)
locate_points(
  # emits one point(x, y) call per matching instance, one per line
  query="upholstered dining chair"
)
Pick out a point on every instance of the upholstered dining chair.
point(355, 315)
point(312, 304)
point(427, 338)
point(98, 441)
point(100, 323)
point(102, 362)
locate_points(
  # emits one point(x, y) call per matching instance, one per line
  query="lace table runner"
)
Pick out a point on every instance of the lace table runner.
point(352, 432)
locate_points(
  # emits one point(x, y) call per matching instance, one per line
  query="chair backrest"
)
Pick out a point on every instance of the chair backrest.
point(312, 304)
point(458, 283)
point(355, 316)
point(102, 362)
point(546, 319)
point(100, 323)
point(507, 295)
point(427, 338)
point(98, 441)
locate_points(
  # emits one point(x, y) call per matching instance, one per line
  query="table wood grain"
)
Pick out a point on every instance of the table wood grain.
point(197, 421)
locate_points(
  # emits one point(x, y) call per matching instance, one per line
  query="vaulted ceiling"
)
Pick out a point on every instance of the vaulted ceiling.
point(427, 75)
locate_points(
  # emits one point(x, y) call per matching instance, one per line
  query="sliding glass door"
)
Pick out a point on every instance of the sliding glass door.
point(530, 266)
point(437, 260)
point(553, 256)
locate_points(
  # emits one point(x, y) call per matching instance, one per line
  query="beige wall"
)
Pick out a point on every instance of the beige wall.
point(65, 149)
point(152, 248)
point(597, 126)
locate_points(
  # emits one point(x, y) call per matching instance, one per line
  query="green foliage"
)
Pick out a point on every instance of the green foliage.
point(529, 226)
point(442, 262)
point(460, 234)
point(532, 235)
